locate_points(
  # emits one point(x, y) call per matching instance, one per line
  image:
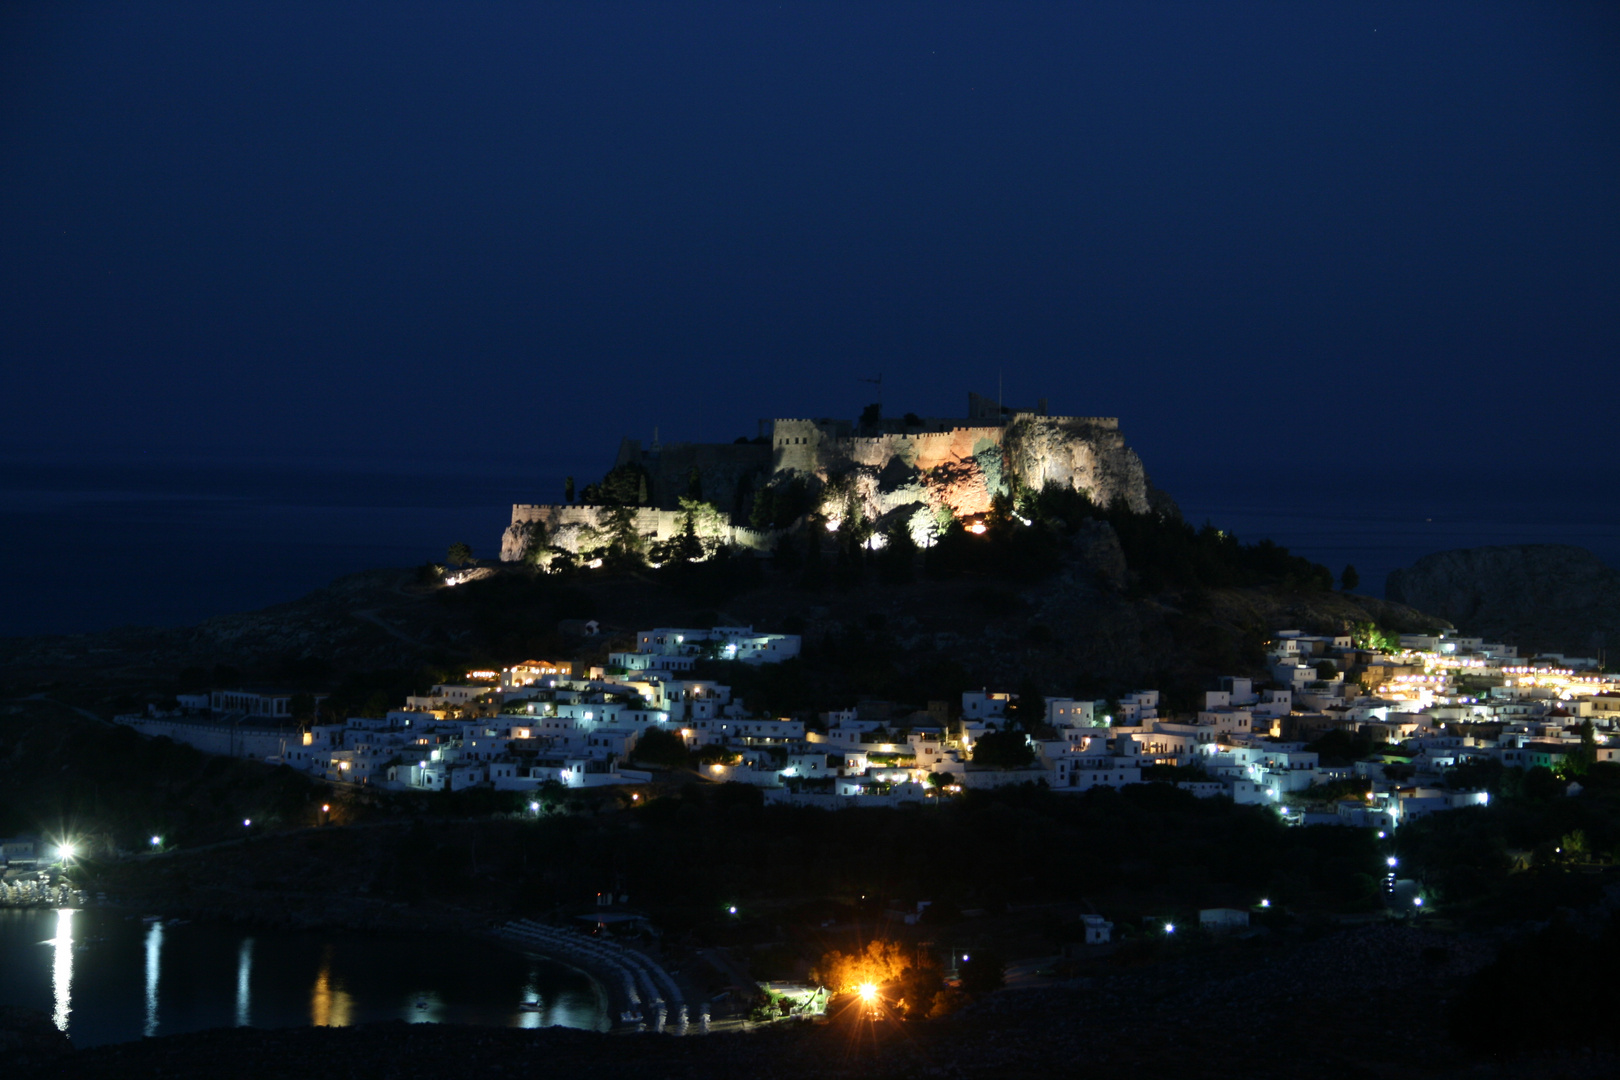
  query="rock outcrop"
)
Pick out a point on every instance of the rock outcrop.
point(915, 469)
point(1544, 597)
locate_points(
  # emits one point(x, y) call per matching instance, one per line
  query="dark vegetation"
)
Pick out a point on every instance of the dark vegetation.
point(1163, 552)
point(1532, 850)
point(687, 855)
point(1573, 965)
point(66, 777)
point(1149, 847)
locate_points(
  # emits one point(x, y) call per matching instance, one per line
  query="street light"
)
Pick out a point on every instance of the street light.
point(247, 823)
point(67, 850)
point(157, 841)
point(1169, 927)
point(1392, 860)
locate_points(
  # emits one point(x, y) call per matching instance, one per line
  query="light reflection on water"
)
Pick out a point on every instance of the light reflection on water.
point(62, 968)
point(154, 967)
point(329, 1004)
point(244, 976)
point(105, 977)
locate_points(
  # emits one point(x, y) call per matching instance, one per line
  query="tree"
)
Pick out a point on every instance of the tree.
point(1003, 750)
point(786, 556)
point(896, 561)
point(694, 483)
point(871, 416)
point(879, 964)
point(984, 971)
point(687, 547)
point(1579, 760)
point(1371, 636)
point(568, 490)
point(1029, 705)
point(917, 986)
point(624, 485)
point(659, 747)
point(625, 542)
point(1349, 579)
point(815, 571)
point(460, 554)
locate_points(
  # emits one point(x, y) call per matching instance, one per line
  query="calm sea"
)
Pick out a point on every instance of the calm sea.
point(90, 547)
point(105, 978)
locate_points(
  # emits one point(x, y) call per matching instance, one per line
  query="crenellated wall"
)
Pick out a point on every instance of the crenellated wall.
point(957, 465)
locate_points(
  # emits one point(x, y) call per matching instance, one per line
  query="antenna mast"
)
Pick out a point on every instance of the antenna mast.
point(878, 382)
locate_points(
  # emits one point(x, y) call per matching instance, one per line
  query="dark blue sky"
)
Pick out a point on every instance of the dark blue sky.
point(1287, 240)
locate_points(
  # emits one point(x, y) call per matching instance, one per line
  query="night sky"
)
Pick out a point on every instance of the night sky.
point(1285, 240)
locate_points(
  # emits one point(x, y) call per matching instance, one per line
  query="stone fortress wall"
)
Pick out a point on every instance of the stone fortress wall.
point(567, 525)
point(936, 463)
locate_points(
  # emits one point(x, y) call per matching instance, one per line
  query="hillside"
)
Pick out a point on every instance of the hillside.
point(1083, 628)
point(1548, 597)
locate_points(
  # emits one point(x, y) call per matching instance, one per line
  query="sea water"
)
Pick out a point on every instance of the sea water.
point(106, 977)
point(93, 546)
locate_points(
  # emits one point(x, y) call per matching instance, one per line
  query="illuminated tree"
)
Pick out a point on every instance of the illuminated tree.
point(879, 964)
point(460, 554)
point(626, 545)
point(1369, 635)
point(917, 987)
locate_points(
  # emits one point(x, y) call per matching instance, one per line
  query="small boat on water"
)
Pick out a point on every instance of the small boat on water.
point(150, 919)
point(531, 1006)
point(422, 1005)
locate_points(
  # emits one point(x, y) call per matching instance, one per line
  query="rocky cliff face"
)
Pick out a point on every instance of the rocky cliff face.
point(1547, 597)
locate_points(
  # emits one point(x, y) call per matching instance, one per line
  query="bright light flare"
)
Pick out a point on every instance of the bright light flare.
point(868, 992)
point(67, 851)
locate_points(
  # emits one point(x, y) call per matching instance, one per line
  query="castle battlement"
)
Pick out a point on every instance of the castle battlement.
point(959, 463)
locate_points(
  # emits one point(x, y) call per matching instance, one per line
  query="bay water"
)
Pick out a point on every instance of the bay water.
point(105, 977)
